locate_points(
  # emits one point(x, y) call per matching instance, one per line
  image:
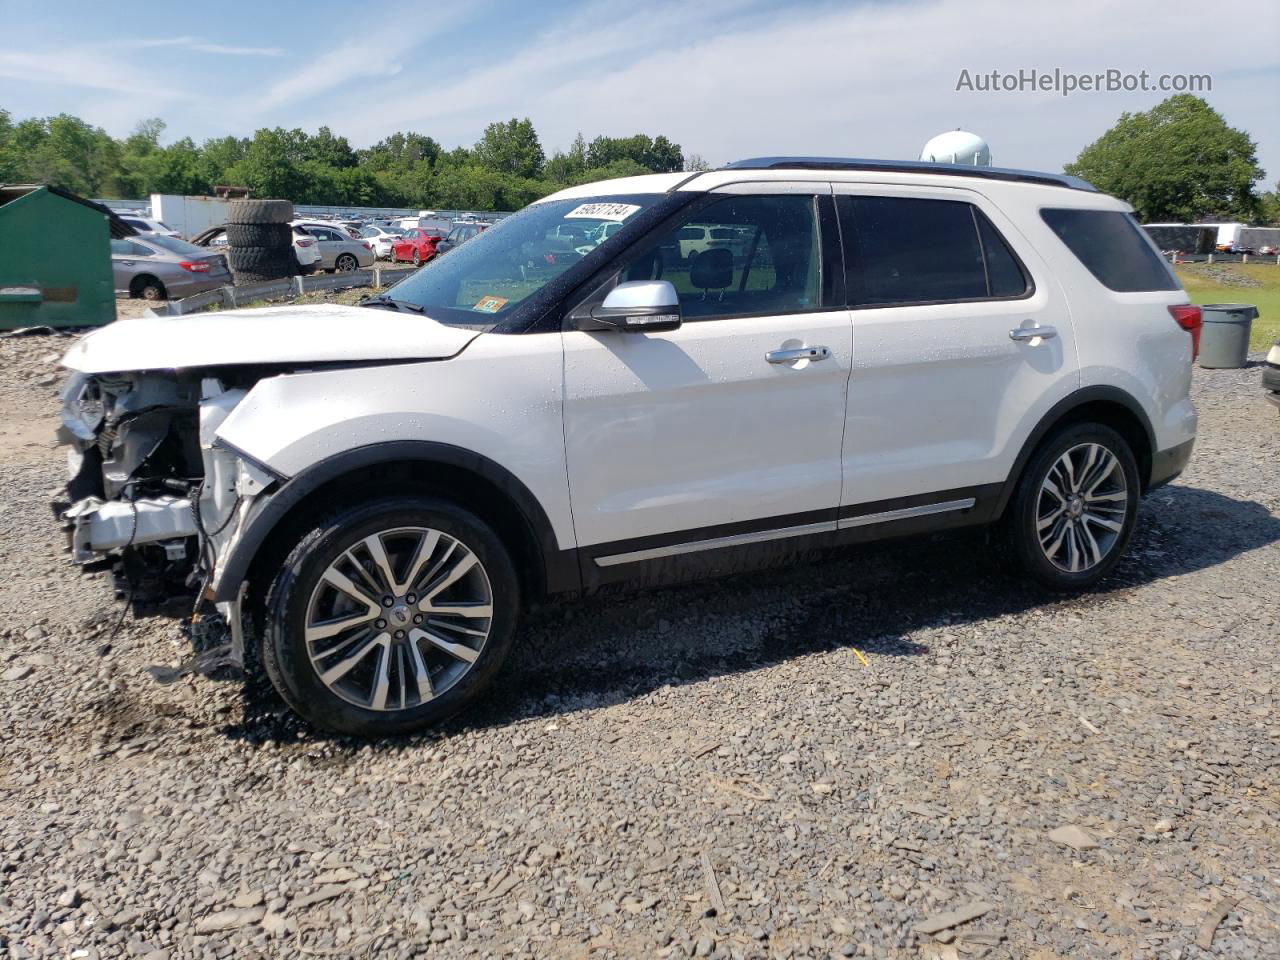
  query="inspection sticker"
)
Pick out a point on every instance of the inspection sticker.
point(490, 304)
point(602, 211)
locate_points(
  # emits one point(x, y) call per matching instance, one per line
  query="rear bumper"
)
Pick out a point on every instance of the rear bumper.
point(1167, 464)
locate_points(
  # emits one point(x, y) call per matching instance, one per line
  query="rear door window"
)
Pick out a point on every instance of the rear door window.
point(1113, 248)
point(904, 250)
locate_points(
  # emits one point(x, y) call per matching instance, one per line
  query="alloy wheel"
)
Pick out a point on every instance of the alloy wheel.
point(1082, 507)
point(399, 618)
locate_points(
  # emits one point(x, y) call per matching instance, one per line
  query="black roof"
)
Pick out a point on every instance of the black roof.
point(911, 166)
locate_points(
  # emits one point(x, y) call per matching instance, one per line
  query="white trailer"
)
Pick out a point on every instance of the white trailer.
point(189, 216)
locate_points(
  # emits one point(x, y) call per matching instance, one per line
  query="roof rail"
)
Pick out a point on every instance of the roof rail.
point(911, 166)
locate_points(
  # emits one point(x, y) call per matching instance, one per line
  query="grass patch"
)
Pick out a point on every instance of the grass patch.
point(1256, 283)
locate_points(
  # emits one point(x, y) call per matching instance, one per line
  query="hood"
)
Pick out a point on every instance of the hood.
point(270, 335)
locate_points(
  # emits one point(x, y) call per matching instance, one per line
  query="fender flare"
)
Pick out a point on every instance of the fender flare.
point(560, 570)
point(1081, 397)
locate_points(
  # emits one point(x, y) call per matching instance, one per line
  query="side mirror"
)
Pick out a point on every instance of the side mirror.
point(640, 306)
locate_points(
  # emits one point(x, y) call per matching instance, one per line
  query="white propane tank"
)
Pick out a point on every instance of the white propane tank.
point(957, 146)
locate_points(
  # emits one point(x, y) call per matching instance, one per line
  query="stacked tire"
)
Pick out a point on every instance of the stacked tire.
point(260, 239)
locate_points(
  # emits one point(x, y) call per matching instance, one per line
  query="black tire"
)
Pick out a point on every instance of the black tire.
point(284, 650)
point(417, 257)
point(273, 235)
point(268, 261)
point(146, 287)
point(1023, 517)
point(346, 263)
point(259, 211)
point(251, 277)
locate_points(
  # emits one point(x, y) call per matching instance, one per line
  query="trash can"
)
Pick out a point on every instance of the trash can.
point(55, 258)
point(1224, 336)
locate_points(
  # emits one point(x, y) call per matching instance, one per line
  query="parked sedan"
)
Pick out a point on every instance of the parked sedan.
point(147, 225)
point(381, 238)
point(156, 267)
point(416, 245)
point(338, 250)
point(460, 234)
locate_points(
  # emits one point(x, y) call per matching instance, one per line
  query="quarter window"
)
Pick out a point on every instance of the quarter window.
point(740, 256)
point(1113, 248)
point(905, 250)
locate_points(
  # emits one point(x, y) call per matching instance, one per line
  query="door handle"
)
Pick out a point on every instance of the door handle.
point(126, 263)
point(798, 353)
point(1033, 333)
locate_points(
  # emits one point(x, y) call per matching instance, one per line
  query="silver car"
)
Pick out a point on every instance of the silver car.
point(338, 249)
point(156, 267)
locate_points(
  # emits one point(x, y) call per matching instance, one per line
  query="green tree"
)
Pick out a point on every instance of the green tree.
point(655, 154)
point(1179, 161)
point(217, 159)
point(1269, 207)
point(511, 147)
point(272, 166)
point(325, 148)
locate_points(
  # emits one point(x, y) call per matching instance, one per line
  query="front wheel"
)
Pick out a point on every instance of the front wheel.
point(388, 617)
point(1075, 507)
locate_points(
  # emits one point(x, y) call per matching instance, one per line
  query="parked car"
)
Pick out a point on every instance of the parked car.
point(305, 247)
point(1268, 250)
point(147, 225)
point(460, 234)
point(338, 250)
point(903, 350)
point(699, 238)
point(381, 239)
point(416, 245)
point(1271, 374)
point(155, 266)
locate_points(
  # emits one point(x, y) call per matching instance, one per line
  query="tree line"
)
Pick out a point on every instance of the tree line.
point(505, 170)
point(1179, 161)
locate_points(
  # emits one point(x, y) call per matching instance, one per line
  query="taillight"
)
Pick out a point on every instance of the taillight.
point(1189, 319)
point(195, 266)
point(304, 241)
point(366, 245)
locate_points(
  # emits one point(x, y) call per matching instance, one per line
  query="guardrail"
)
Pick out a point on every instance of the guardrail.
point(238, 296)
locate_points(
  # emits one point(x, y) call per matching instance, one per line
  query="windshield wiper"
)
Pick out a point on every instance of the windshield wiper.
point(393, 304)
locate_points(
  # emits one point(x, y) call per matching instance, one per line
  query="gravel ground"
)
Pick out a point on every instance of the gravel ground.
point(709, 771)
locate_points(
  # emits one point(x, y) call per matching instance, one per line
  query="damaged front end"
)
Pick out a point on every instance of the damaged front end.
point(153, 494)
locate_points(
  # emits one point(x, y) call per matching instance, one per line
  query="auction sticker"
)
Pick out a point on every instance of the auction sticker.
point(490, 304)
point(602, 211)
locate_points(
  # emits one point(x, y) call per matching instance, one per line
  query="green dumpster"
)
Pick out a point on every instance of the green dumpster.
point(55, 259)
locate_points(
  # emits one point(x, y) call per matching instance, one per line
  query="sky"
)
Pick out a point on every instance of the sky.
point(726, 79)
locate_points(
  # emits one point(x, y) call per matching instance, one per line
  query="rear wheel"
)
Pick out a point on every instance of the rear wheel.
point(148, 288)
point(1075, 507)
point(417, 257)
point(389, 617)
point(346, 263)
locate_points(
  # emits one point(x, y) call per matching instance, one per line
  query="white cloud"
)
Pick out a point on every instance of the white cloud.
point(238, 51)
point(370, 56)
point(729, 80)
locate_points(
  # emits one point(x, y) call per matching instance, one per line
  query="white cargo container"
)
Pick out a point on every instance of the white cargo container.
point(189, 216)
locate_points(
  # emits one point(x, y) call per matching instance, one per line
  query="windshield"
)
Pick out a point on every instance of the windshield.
point(483, 281)
point(174, 245)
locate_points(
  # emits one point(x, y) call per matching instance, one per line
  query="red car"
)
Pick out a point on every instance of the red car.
point(416, 245)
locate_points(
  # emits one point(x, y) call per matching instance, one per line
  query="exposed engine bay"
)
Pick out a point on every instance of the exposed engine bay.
point(152, 493)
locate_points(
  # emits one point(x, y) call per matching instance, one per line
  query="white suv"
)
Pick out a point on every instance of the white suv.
point(375, 492)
